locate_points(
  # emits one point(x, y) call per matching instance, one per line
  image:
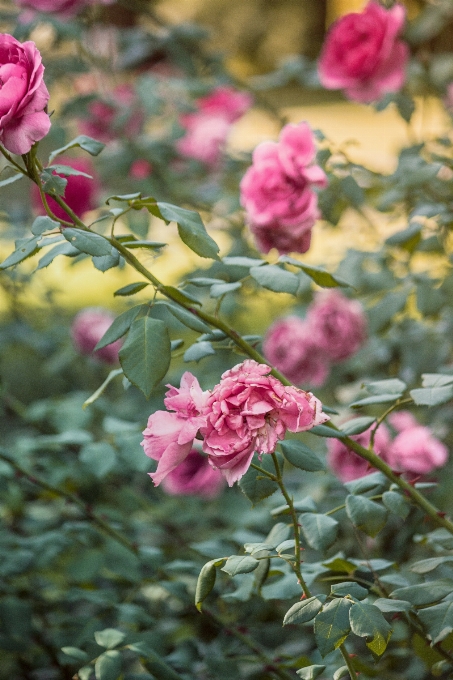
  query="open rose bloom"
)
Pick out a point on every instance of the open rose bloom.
point(87, 329)
point(277, 191)
point(248, 411)
point(364, 55)
point(346, 464)
point(194, 477)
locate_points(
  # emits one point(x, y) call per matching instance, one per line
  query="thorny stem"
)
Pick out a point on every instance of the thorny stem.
point(93, 517)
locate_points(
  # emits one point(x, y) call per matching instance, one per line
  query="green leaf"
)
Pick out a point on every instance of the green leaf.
point(198, 351)
point(340, 565)
point(341, 672)
point(202, 281)
point(243, 261)
point(120, 326)
point(301, 456)
point(372, 482)
point(109, 637)
point(310, 672)
point(424, 593)
point(332, 625)
point(146, 354)
point(75, 653)
point(432, 396)
point(53, 184)
point(105, 262)
point(320, 531)
point(366, 515)
point(85, 673)
point(324, 431)
point(378, 399)
point(108, 666)
point(67, 171)
point(257, 486)
point(318, 275)
point(153, 663)
point(367, 621)
point(407, 238)
point(124, 197)
point(131, 288)
point(304, 611)
point(11, 180)
point(150, 245)
point(219, 289)
point(206, 581)
point(87, 241)
point(392, 606)
point(93, 147)
point(436, 380)
point(25, 248)
point(191, 230)
point(99, 457)
point(349, 588)
point(425, 566)
point(438, 620)
point(274, 278)
point(390, 386)
point(240, 564)
point(396, 503)
point(97, 393)
point(42, 224)
point(357, 425)
point(188, 319)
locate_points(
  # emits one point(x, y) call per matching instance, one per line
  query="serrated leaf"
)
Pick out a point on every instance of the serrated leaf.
point(432, 396)
point(349, 588)
point(438, 620)
point(53, 184)
point(120, 326)
point(188, 319)
point(67, 171)
point(310, 672)
point(191, 230)
point(366, 515)
point(390, 386)
point(425, 566)
point(304, 611)
point(357, 425)
point(42, 224)
point(206, 581)
point(198, 351)
point(92, 146)
point(105, 262)
point(75, 653)
point(109, 637)
point(320, 276)
point(392, 606)
point(396, 503)
point(341, 672)
point(274, 278)
point(324, 431)
point(332, 625)
point(367, 621)
point(202, 281)
point(423, 593)
point(301, 456)
point(286, 545)
point(340, 565)
point(240, 261)
point(87, 241)
point(146, 354)
point(219, 289)
point(320, 531)
point(11, 180)
point(378, 399)
point(131, 288)
point(436, 380)
point(25, 248)
point(257, 486)
point(374, 481)
point(240, 564)
point(108, 666)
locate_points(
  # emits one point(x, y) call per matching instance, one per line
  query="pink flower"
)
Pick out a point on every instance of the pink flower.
point(23, 95)
point(346, 464)
point(80, 192)
point(87, 329)
point(337, 325)
point(140, 169)
point(250, 410)
point(363, 54)
point(289, 346)
point(402, 420)
point(417, 451)
point(194, 477)
point(227, 102)
point(64, 8)
point(114, 116)
point(277, 191)
point(169, 436)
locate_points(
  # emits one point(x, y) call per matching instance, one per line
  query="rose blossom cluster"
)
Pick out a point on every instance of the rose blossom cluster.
point(207, 128)
point(88, 327)
point(277, 191)
point(117, 114)
point(248, 411)
point(364, 55)
point(304, 349)
point(414, 450)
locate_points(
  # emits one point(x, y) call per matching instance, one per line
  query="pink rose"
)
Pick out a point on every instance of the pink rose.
point(80, 192)
point(277, 191)
point(346, 464)
point(363, 54)
point(23, 95)
point(87, 329)
point(289, 346)
point(118, 114)
point(337, 325)
point(402, 420)
point(64, 8)
point(250, 410)
point(194, 477)
point(415, 450)
point(227, 102)
point(169, 436)
point(140, 169)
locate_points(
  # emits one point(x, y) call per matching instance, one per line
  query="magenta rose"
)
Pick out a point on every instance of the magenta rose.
point(250, 410)
point(117, 115)
point(169, 436)
point(289, 346)
point(337, 325)
point(227, 102)
point(277, 191)
point(88, 328)
point(416, 451)
point(80, 192)
point(23, 95)
point(346, 464)
point(194, 477)
point(363, 54)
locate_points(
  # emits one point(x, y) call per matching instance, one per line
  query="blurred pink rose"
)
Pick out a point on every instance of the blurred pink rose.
point(80, 193)
point(116, 115)
point(207, 129)
point(363, 54)
point(250, 411)
point(169, 436)
point(64, 8)
point(448, 99)
point(289, 346)
point(402, 420)
point(346, 464)
point(23, 95)
point(415, 450)
point(277, 191)
point(87, 329)
point(337, 325)
point(140, 169)
point(194, 477)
